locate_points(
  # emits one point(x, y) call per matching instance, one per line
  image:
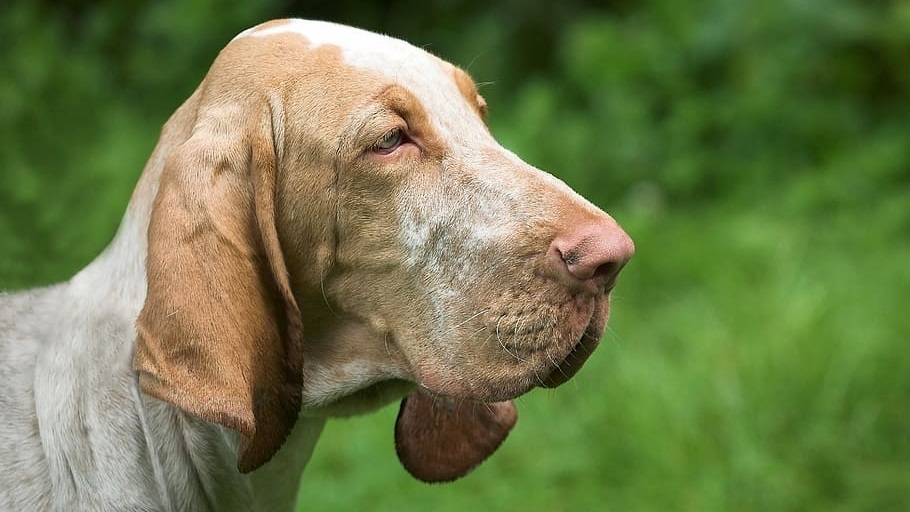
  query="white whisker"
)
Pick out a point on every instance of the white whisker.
point(503, 345)
point(472, 317)
point(555, 364)
point(325, 298)
point(452, 329)
point(388, 349)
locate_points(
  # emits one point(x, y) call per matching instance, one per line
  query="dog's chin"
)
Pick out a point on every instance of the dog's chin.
point(584, 347)
point(572, 363)
point(558, 374)
point(546, 372)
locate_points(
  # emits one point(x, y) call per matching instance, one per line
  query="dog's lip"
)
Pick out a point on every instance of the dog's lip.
point(573, 362)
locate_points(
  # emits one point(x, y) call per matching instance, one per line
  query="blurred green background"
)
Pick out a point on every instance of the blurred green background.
point(757, 151)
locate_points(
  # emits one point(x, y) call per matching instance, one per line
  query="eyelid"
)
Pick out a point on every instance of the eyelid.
point(403, 138)
point(395, 135)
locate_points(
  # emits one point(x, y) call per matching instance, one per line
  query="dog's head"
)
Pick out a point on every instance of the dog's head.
point(334, 224)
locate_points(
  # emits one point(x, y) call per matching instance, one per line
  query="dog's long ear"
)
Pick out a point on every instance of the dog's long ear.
point(219, 333)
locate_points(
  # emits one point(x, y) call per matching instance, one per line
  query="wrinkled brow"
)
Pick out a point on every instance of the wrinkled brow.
point(392, 100)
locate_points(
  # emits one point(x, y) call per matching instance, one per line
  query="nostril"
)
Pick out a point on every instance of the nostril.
point(577, 265)
point(606, 272)
point(595, 274)
point(592, 254)
point(571, 258)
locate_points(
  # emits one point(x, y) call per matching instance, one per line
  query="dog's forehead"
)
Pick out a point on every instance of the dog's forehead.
point(393, 58)
point(428, 77)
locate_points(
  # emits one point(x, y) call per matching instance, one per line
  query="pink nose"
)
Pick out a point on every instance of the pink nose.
point(591, 253)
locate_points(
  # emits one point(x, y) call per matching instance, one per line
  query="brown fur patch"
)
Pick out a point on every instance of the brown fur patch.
point(469, 91)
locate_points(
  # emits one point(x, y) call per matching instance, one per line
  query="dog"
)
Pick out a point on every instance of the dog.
point(325, 226)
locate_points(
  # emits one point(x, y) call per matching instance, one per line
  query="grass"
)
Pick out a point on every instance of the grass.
point(754, 361)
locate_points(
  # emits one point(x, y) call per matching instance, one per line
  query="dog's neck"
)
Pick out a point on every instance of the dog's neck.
point(205, 456)
point(99, 335)
point(111, 291)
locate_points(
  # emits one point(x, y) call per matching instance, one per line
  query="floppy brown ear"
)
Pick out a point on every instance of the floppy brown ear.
point(219, 333)
point(439, 439)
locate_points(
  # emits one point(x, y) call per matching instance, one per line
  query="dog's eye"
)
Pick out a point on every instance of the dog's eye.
point(389, 142)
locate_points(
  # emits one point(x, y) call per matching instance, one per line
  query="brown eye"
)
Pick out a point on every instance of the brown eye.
point(389, 142)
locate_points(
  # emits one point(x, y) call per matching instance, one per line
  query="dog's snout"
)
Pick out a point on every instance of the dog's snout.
point(591, 253)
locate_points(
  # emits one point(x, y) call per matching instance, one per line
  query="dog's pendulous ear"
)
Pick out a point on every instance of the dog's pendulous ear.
point(219, 333)
point(439, 439)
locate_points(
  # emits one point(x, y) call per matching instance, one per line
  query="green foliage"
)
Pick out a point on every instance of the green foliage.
point(756, 151)
point(721, 98)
